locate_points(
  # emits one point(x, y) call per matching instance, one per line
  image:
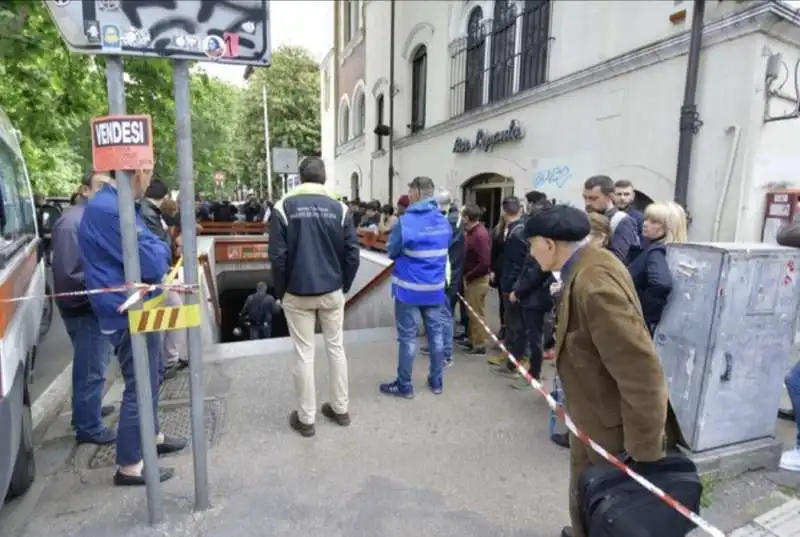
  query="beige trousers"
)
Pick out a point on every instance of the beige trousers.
point(301, 315)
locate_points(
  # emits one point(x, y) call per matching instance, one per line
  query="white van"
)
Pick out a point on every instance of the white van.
point(22, 274)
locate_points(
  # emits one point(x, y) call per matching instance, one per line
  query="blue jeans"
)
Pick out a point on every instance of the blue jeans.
point(793, 387)
point(91, 354)
point(262, 331)
point(405, 320)
point(129, 435)
point(447, 326)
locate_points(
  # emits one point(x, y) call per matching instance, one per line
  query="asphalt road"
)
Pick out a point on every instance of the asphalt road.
point(53, 356)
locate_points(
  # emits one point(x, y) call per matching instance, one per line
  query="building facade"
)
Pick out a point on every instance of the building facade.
point(500, 97)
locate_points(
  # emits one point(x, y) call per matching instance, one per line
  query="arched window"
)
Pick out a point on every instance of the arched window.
point(379, 118)
point(535, 38)
point(344, 123)
point(419, 76)
point(347, 19)
point(504, 37)
point(476, 58)
point(359, 115)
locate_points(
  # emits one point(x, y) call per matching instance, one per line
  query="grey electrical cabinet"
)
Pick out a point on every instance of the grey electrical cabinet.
point(725, 338)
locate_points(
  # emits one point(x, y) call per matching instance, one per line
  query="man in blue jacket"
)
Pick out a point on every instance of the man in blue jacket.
point(419, 244)
point(315, 255)
point(100, 241)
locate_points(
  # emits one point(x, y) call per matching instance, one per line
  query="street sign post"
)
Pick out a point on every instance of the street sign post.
point(115, 81)
point(284, 160)
point(233, 32)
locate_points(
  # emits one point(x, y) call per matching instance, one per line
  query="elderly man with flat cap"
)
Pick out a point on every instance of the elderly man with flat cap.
point(612, 377)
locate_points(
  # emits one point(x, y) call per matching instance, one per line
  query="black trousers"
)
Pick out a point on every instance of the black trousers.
point(524, 334)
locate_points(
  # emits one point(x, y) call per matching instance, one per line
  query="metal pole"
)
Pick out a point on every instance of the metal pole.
point(183, 136)
point(690, 119)
point(391, 102)
point(130, 257)
point(268, 173)
point(284, 178)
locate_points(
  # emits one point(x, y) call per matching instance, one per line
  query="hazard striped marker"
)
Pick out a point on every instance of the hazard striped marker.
point(164, 319)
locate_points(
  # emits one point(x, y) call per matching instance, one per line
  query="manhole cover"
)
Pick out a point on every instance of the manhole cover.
point(176, 388)
point(175, 421)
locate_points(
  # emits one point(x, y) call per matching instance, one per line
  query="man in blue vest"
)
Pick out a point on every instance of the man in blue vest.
point(418, 244)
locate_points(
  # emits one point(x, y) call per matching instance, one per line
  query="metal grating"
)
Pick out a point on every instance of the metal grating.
point(177, 388)
point(175, 421)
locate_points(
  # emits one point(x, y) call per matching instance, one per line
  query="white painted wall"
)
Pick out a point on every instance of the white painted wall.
point(625, 126)
point(328, 120)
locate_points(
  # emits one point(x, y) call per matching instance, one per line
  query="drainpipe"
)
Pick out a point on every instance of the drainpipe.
point(690, 120)
point(391, 102)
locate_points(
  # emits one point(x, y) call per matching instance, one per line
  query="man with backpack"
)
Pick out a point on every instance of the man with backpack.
point(257, 312)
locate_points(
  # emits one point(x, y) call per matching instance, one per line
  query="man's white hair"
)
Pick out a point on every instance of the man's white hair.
point(444, 199)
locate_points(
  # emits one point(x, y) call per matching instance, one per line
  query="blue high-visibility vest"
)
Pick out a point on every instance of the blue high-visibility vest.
point(419, 276)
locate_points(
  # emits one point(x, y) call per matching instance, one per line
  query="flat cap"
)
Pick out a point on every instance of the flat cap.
point(558, 223)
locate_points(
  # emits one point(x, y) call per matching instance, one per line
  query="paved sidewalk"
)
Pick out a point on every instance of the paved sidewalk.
point(475, 461)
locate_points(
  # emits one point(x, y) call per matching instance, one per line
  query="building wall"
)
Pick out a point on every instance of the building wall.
point(610, 105)
point(328, 103)
point(774, 162)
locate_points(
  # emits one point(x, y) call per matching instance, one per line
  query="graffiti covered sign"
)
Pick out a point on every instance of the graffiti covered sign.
point(224, 31)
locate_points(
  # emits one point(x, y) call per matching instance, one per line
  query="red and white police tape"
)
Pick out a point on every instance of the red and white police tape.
point(600, 450)
point(146, 287)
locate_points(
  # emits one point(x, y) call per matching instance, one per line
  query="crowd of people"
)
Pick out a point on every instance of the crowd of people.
point(87, 254)
point(588, 285)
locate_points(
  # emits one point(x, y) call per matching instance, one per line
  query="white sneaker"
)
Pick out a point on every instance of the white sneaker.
point(790, 460)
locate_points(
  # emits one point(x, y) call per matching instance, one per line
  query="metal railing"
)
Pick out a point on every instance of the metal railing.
point(500, 56)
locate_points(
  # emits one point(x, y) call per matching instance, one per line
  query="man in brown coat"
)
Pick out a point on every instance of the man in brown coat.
point(612, 378)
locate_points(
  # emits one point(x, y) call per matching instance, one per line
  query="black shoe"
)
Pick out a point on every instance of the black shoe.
point(567, 532)
point(304, 429)
point(105, 411)
point(464, 344)
point(461, 337)
point(104, 437)
point(123, 480)
point(169, 374)
point(477, 351)
point(561, 440)
point(171, 444)
point(341, 419)
point(786, 414)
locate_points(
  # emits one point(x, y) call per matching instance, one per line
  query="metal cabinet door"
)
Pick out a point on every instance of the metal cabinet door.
point(683, 337)
point(752, 341)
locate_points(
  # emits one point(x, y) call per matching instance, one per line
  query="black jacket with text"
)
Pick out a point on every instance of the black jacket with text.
point(313, 246)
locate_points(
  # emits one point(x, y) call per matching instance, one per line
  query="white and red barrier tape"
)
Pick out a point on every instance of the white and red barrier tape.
point(145, 287)
point(597, 448)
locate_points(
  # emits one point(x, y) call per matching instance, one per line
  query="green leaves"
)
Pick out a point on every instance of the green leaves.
point(51, 94)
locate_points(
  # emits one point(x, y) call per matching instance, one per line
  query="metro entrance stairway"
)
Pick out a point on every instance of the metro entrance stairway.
point(234, 257)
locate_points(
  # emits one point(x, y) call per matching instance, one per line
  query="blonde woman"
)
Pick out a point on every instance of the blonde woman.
point(664, 223)
point(600, 230)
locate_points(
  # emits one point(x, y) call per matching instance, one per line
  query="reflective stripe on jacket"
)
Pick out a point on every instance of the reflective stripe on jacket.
point(419, 276)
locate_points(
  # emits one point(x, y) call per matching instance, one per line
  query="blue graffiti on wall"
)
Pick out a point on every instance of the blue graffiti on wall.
point(557, 176)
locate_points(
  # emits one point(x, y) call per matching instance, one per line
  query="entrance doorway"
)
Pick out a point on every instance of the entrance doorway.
point(487, 191)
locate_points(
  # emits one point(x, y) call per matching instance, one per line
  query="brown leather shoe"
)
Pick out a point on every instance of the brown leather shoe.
point(341, 419)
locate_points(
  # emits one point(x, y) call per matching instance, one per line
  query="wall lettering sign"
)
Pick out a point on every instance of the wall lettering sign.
point(486, 141)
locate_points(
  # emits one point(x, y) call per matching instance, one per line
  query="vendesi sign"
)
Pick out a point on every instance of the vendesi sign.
point(122, 143)
point(487, 141)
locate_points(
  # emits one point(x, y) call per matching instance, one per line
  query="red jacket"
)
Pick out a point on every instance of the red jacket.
point(478, 255)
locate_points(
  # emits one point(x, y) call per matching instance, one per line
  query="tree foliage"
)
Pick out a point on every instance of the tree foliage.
point(292, 83)
point(50, 95)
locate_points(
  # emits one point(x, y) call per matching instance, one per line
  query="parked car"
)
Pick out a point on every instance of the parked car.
point(22, 274)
